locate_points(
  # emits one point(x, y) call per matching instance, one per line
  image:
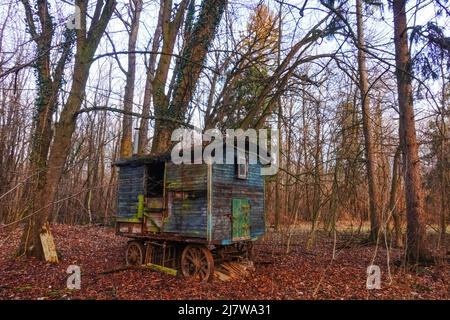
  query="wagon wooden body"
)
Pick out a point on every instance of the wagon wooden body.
point(180, 212)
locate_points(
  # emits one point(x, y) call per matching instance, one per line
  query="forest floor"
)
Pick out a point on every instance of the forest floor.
point(300, 274)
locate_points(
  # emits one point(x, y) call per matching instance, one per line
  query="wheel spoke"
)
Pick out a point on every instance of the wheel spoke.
point(190, 255)
point(203, 273)
point(190, 259)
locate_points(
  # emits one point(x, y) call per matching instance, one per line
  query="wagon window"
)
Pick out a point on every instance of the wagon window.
point(155, 179)
point(242, 167)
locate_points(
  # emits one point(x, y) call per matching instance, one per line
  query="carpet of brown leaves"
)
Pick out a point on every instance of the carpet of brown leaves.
point(298, 275)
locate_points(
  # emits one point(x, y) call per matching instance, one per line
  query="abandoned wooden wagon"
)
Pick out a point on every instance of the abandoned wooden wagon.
point(188, 216)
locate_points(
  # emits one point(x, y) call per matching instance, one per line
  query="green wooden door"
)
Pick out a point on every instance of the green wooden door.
point(241, 219)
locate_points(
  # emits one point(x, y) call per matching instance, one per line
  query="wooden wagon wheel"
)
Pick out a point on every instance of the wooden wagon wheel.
point(197, 262)
point(135, 253)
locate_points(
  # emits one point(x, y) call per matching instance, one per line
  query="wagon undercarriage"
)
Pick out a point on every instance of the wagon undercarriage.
point(192, 260)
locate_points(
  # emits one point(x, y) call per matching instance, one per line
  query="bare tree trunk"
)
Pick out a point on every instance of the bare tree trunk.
point(317, 183)
point(443, 158)
point(444, 208)
point(416, 248)
point(371, 162)
point(148, 91)
point(126, 144)
point(393, 200)
point(278, 180)
point(279, 121)
point(443, 177)
point(305, 130)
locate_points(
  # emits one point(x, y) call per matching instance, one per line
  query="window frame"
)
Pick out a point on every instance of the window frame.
point(239, 175)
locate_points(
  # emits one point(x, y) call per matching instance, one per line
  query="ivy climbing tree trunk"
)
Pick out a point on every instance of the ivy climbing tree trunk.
point(191, 64)
point(170, 28)
point(87, 43)
point(48, 84)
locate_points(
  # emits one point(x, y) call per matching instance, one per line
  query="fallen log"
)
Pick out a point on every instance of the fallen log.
point(123, 268)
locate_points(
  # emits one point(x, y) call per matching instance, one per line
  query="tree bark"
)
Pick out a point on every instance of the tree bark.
point(416, 248)
point(279, 122)
point(393, 200)
point(148, 91)
point(126, 144)
point(371, 161)
point(444, 157)
point(317, 201)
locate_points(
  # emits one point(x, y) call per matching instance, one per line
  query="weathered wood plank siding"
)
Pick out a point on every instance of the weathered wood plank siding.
point(188, 215)
point(227, 186)
point(186, 188)
point(131, 185)
point(186, 177)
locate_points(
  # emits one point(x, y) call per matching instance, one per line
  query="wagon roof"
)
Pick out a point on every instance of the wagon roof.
point(143, 159)
point(137, 160)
